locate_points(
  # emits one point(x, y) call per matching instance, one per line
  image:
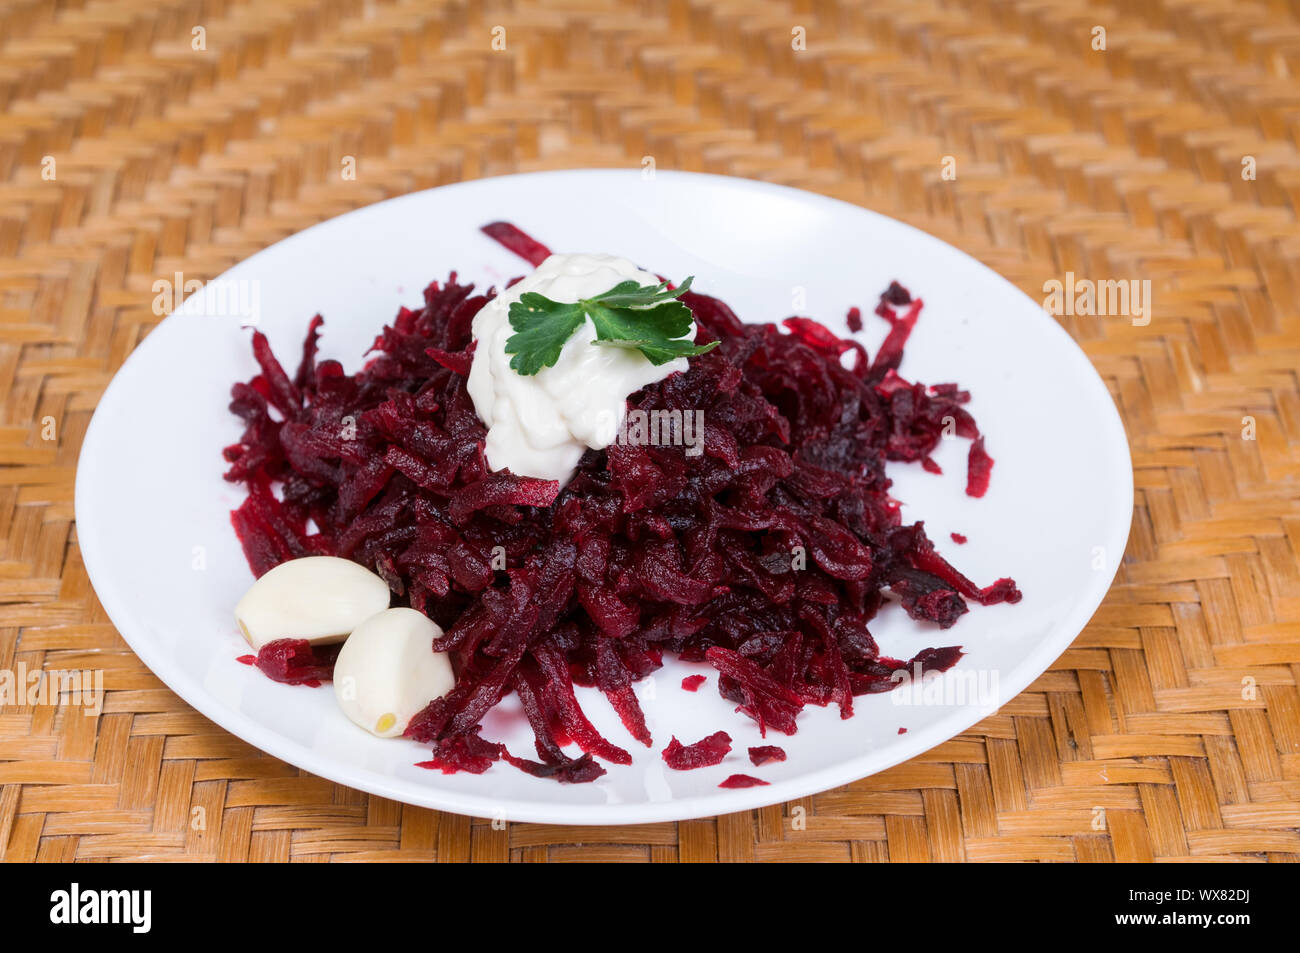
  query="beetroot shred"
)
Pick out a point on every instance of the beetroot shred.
point(764, 753)
point(768, 555)
point(704, 753)
point(742, 781)
point(297, 661)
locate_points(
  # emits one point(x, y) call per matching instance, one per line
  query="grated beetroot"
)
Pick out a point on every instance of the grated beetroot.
point(765, 753)
point(768, 556)
point(704, 753)
point(692, 683)
point(742, 781)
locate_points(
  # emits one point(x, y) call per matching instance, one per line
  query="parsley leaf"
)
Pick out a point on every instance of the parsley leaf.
point(646, 318)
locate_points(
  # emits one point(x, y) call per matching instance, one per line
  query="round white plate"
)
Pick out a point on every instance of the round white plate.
point(153, 511)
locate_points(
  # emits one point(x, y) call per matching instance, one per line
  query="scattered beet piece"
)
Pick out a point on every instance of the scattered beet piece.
point(645, 551)
point(855, 320)
point(765, 753)
point(297, 661)
point(902, 731)
point(519, 242)
point(978, 467)
point(958, 538)
point(247, 659)
point(896, 295)
point(692, 683)
point(705, 752)
point(890, 354)
point(742, 781)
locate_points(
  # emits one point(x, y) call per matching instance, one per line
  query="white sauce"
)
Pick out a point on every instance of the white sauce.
point(540, 426)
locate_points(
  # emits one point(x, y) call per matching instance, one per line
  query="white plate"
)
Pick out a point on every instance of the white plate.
point(152, 508)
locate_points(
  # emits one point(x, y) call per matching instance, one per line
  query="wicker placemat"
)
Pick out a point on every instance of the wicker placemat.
point(1148, 139)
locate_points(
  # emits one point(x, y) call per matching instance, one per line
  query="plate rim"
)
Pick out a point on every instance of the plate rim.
point(96, 553)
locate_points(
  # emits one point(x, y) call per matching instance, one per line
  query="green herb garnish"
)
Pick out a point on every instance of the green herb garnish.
point(647, 318)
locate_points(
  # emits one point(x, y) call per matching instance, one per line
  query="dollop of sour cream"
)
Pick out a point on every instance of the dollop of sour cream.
point(540, 426)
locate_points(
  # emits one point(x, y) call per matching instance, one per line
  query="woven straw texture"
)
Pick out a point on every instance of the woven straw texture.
point(1171, 728)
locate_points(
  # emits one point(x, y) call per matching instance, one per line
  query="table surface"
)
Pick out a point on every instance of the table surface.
point(1154, 139)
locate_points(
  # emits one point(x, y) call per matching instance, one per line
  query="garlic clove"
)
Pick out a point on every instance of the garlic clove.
point(387, 671)
point(317, 598)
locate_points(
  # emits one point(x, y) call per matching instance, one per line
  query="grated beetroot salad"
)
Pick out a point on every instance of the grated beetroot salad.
point(767, 556)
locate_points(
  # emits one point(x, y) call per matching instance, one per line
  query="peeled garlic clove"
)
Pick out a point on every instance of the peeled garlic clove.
point(387, 671)
point(317, 598)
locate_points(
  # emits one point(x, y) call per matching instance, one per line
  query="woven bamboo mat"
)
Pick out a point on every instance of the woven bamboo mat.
point(1169, 731)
